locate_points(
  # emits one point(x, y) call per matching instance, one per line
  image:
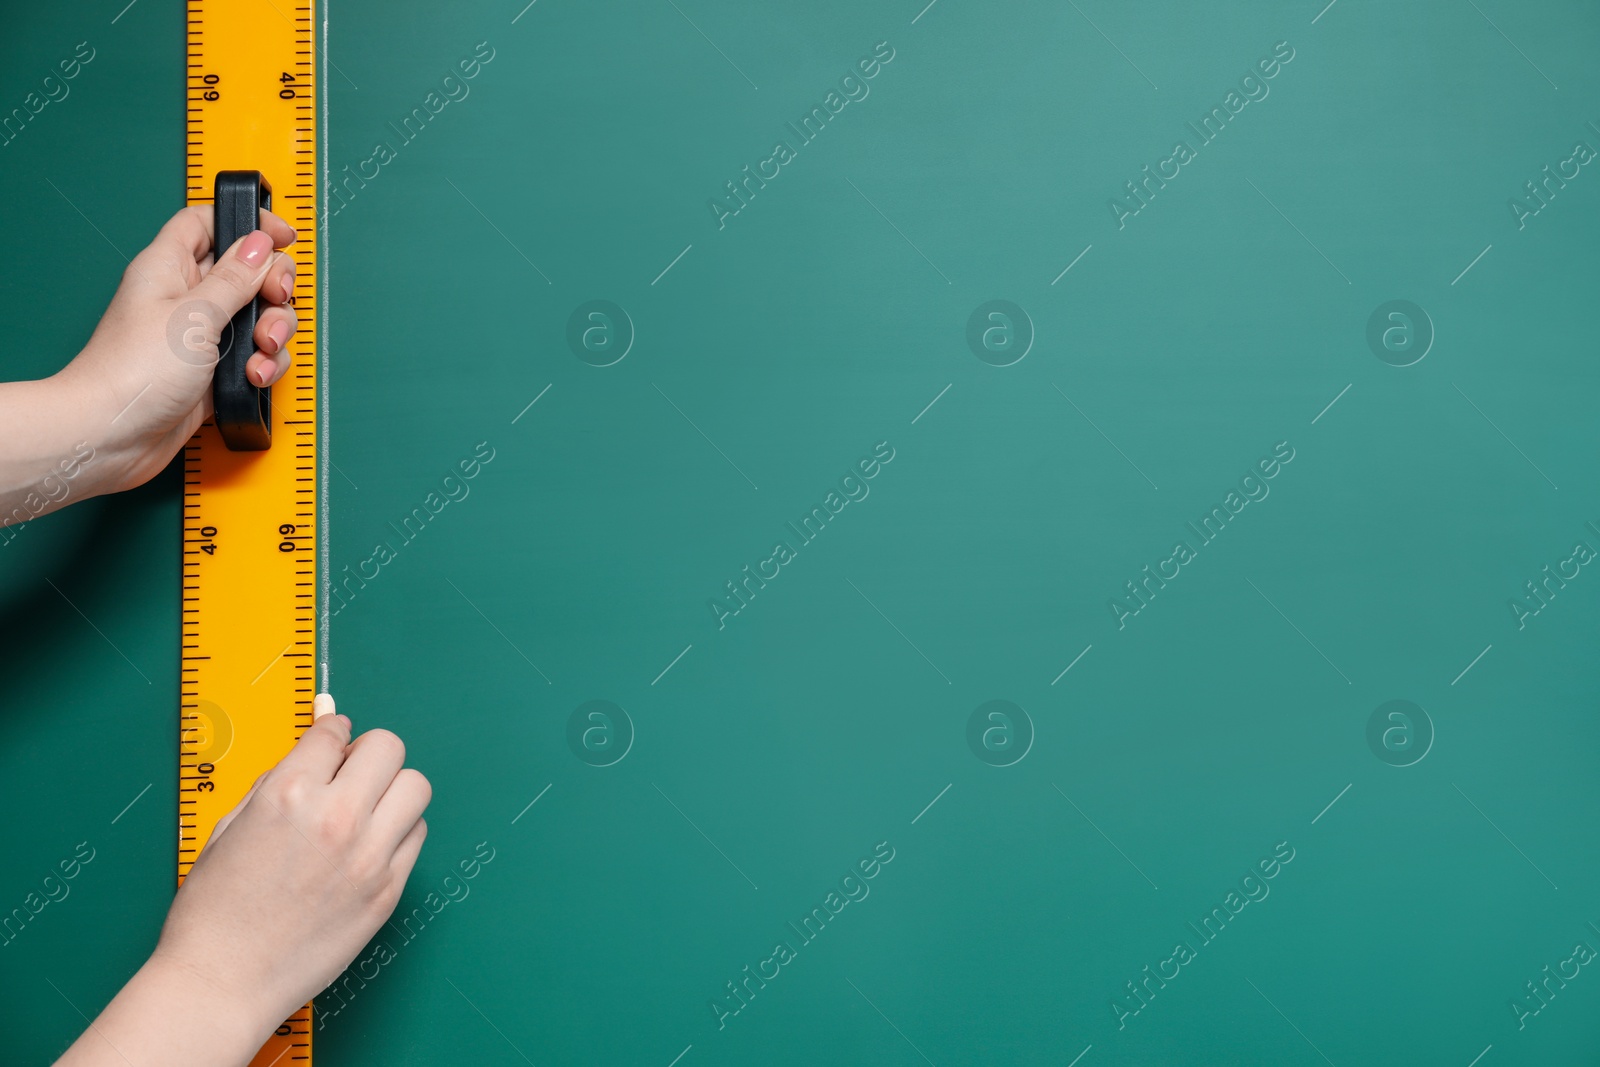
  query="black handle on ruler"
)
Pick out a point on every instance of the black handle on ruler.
point(243, 411)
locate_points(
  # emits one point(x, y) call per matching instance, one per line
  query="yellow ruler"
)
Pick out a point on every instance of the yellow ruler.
point(250, 518)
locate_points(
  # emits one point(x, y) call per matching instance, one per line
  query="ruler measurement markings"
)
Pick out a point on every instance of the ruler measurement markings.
point(244, 499)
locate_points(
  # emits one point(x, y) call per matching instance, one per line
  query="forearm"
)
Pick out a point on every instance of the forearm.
point(167, 1015)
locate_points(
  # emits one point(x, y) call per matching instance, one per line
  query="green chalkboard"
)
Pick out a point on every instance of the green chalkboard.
point(1044, 533)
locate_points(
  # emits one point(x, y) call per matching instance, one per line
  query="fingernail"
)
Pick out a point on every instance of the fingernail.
point(260, 375)
point(256, 248)
point(278, 333)
point(321, 704)
point(346, 720)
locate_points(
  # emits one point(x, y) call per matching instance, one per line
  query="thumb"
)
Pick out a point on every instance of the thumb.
point(236, 276)
point(322, 707)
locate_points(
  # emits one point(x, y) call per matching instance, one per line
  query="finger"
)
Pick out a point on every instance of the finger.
point(401, 806)
point(269, 364)
point(283, 234)
point(236, 277)
point(181, 253)
point(188, 237)
point(375, 758)
point(263, 370)
point(274, 328)
point(405, 854)
point(194, 229)
point(279, 286)
point(320, 751)
point(322, 705)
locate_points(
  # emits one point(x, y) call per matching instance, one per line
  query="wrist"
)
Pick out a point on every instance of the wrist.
point(88, 423)
point(227, 1023)
point(49, 458)
point(170, 1013)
